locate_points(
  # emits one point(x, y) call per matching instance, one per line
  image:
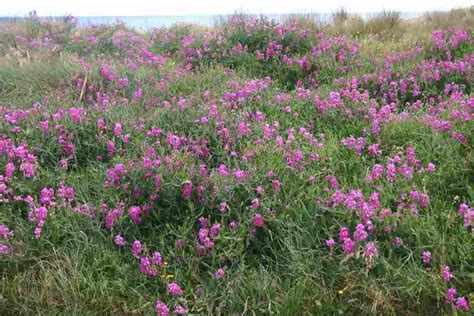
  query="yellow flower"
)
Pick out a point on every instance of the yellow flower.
point(167, 276)
point(340, 292)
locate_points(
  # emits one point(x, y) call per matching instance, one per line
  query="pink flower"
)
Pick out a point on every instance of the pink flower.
point(223, 170)
point(214, 230)
point(244, 128)
point(77, 114)
point(360, 233)
point(463, 208)
point(384, 213)
point(110, 147)
point(161, 308)
point(330, 243)
point(179, 309)
point(119, 241)
point(461, 303)
point(157, 259)
point(136, 248)
point(431, 167)
point(107, 73)
point(137, 95)
point(146, 268)
point(116, 173)
point(64, 163)
point(276, 185)
point(371, 250)
point(174, 289)
point(397, 241)
point(349, 246)
point(426, 257)
point(157, 182)
point(204, 222)
point(258, 220)
point(182, 103)
point(117, 129)
point(343, 233)
point(5, 232)
point(187, 190)
point(38, 215)
point(47, 196)
point(123, 82)
point(446, 275)
point(112, 216)
point(219, 273)
point(4, 249)
point(9, 170)
point(134, 213)
point(44, 125)
point(451, 295)
point(256, 203)
point(375, 173)
point(374, 149)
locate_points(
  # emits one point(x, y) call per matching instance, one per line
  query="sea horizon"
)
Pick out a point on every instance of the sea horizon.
point(145, 22)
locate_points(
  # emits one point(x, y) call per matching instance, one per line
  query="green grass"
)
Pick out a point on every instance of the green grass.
point(283, 268)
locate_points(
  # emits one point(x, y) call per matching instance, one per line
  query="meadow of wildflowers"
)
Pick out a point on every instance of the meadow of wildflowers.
point(250, 168)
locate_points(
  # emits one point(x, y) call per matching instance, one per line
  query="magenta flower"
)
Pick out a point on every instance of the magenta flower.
point(463, 208)
point(187, 190)
point(138, 94)
point(44, 125)
point(258, 220)
point(47, 197)
point(374, 149)
point(157, 259)
point(119, 240)
point(215, 230)
point(180, 309)
point(233, 224)
point(256, 203)
point(117, 129)
point(146, 268)
point(135, 212)
point(431, 167)
point(348, 246)
point(276, 185)
point(107, 73)
point(461, 304)
point(397, 241)
point(371, 250)
point(360, 233)
point(136, 248)
point(5, 232)
point(112, 216)
point(161, 309)
point(330, 243)
point(343, 233)
point(219, 273)
point(426, 257)
point(174, 289)
point(4, 249)
point(451, 295)
point(77, 114)
point(446, 274)
point(123, 82)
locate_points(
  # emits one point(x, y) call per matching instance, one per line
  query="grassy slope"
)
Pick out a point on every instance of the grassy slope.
point(76, 269)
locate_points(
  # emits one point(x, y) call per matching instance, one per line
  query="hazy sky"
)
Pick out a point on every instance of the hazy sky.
point(200, 7)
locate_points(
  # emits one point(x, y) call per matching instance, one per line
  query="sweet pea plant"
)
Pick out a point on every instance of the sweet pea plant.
point(254, 167)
